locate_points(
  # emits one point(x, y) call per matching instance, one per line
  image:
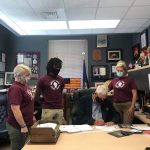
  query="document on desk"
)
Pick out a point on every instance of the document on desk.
point(142, 128)
point(75, 128)
point(106, 128)
point(47, 125)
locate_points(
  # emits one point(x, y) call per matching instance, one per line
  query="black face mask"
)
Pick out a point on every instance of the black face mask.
point(55, 71)
point(98, 100)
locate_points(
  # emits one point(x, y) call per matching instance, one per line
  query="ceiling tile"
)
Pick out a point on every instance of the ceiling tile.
point(21, 11)
point(128, 23)
point(81, 13)
point(138, 12)
point(13, 5)
point(97, 31)
point(126, 30)
point(80, 3)
point(53, 14)
point(79, 31)
point(36, 32)
point(141, 2)
point(58, 32)
point(145, 25)
point(113, 3)
point(45, 5)
point(111, 13)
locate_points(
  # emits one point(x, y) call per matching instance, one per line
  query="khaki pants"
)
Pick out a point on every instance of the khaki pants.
point(55, 115)
point(122, 108)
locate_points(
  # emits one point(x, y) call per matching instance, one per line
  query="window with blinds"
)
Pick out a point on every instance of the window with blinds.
point(70, 52)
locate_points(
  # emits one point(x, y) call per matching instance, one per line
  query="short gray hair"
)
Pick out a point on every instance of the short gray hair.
point(102, 89)
point(19, 69)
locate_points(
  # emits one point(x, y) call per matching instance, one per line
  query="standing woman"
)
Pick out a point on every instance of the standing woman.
point(125, 93)
point(20, 107)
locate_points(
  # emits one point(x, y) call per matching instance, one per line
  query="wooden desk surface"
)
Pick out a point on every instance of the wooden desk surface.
point(95, 140)
point(141, 116)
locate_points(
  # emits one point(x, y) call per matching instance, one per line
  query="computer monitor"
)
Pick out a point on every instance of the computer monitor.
point(9, 78)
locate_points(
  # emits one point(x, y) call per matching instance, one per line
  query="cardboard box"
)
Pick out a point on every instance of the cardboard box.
point(44, 134)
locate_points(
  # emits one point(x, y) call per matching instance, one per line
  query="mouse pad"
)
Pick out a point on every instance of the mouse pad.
point(120, 133)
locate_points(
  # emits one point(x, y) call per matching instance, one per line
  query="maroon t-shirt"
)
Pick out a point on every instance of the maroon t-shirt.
point(51, 88)
point(20, 94)
point(122, 89)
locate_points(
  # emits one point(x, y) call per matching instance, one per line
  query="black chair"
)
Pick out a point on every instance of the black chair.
point(76, 96)
point(3, 114)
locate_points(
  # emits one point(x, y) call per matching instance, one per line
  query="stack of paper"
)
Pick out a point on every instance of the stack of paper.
point(75, 128)
point(47, 125)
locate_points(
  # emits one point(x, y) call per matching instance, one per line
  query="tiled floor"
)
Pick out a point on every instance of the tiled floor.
point(4, 144)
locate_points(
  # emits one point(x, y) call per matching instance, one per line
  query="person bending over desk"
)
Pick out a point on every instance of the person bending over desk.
point(96, 109)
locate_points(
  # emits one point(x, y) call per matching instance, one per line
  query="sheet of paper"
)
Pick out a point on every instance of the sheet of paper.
point(140, 127)
point(75, 128)
point(68, 128)
point(2, 66)
point(28, 62)
point(84, 127)
point(3, 57)
point(20, 59)
point(47, 125)
point(106, 128)
point(102, 71)
point(1, 81)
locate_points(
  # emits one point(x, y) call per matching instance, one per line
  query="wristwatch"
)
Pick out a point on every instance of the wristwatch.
point(23, 126)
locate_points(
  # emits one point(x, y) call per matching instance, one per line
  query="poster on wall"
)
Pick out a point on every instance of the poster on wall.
point(31, 59)
point(2, 67)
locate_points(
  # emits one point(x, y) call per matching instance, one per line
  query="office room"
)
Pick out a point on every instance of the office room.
point(87, 39)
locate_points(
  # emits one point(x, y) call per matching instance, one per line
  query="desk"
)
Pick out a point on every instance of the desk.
point(95, 140)
point(141, 116)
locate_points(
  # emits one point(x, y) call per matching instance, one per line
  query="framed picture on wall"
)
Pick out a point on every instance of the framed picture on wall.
point(99, 73)
point(136, 51)
point(113, 54)
point(31, 59)
point(97, 55)
point(113, 70)
point(144, 39)
point(98, 84)
point(101, 40)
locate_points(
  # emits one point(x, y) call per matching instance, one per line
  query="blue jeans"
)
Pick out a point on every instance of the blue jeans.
point(17, 139)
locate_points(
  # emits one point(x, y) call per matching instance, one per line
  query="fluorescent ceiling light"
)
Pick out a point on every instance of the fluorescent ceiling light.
point(11, 24)
point(93, 24)
point(43, 25)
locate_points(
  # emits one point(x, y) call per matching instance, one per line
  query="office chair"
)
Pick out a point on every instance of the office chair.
point(3, 115)
point(76, 97)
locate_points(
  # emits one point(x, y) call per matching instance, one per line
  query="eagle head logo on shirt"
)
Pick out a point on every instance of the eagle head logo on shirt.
point(120, 84)
point(55, 85)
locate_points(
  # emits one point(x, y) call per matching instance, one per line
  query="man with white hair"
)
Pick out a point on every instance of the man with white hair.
point(97, 109)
